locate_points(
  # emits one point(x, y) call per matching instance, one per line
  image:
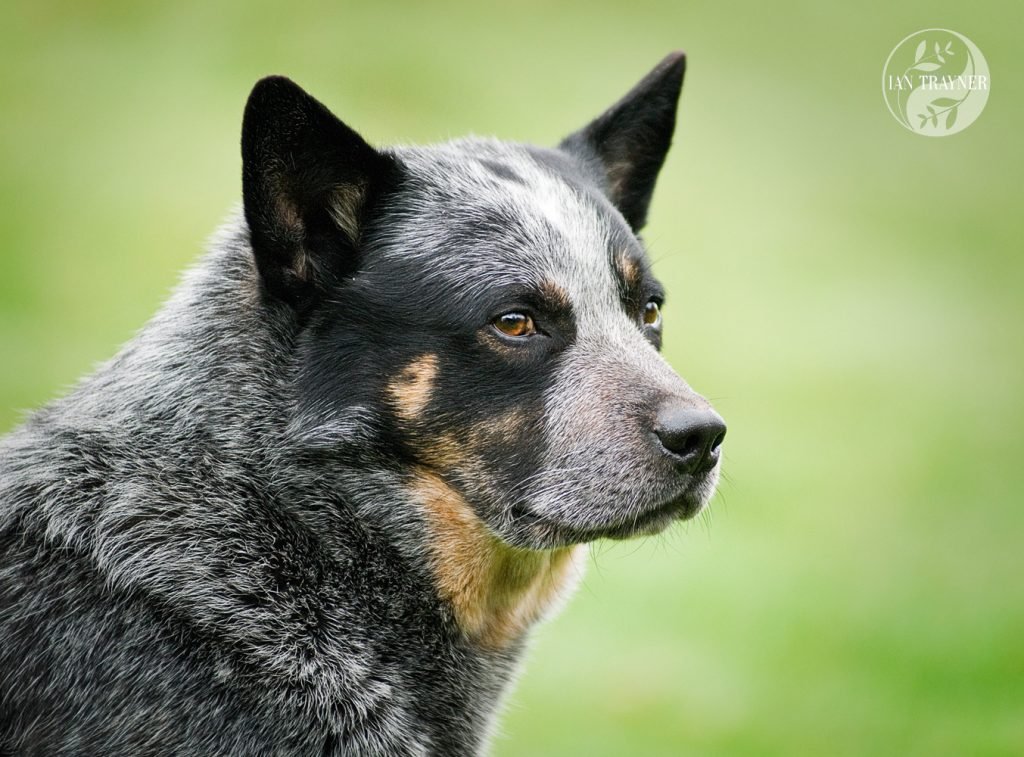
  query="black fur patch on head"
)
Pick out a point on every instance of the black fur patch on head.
point(446, 395)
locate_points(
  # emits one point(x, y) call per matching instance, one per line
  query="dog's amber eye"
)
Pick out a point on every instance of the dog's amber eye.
point(515, 324)
point(652, 314)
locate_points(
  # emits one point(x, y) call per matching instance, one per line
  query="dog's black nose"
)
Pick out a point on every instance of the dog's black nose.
point(694, 437)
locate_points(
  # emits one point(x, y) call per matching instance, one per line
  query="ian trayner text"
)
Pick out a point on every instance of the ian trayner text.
point(930, 81)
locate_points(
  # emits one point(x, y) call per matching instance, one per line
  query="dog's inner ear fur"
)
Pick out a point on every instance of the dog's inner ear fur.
point(307, 180)
point(626, 145)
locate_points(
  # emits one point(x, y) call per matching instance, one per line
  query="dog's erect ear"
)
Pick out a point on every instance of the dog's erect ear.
point(307, 179)
point(626, 145)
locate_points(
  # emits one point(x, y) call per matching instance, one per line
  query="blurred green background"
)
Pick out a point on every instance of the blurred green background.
point(848, 293)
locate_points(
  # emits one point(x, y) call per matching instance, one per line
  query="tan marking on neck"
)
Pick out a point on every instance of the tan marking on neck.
point(496, 591)
point(411, 390)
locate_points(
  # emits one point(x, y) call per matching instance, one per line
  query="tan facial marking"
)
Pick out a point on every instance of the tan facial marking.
point(629, 270)
point(496, 591)
point(502, 427)
point(460, 451)
point(410, 391)
point(556, 294)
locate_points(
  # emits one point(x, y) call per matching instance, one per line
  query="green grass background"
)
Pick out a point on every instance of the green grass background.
point(848, 293)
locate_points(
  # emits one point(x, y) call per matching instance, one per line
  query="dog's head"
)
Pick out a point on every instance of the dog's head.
point(484, 313)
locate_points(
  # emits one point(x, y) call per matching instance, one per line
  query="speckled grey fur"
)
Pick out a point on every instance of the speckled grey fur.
point(200, 557)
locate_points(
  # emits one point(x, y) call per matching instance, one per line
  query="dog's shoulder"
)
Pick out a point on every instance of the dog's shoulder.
point(195, 587)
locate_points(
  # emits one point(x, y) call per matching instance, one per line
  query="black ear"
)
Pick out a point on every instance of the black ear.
point(626, 145)
point(307, 180)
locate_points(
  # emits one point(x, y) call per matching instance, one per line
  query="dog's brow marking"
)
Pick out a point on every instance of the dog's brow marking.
point(629, 270)
point(555, 294)
point(496, 591)
point(412, 389)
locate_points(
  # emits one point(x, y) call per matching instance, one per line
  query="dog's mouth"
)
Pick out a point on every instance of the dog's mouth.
point(679, 506)
point(656, 519)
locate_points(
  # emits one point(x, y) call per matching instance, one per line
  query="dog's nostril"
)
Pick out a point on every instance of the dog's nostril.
point(688, 444)
point(694, 437)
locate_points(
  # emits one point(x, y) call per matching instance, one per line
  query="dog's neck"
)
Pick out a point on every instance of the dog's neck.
point(496, 591)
